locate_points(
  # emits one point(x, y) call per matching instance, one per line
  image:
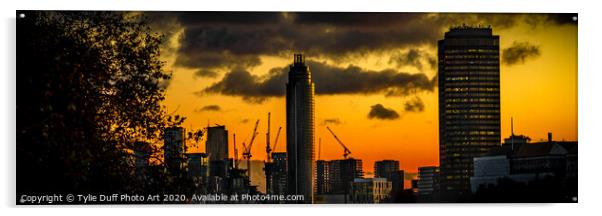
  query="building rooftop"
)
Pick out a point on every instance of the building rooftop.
point(540, 149)
point(500, 150)
point(469, 30)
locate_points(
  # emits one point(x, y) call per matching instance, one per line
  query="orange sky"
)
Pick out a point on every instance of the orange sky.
point(541, 95)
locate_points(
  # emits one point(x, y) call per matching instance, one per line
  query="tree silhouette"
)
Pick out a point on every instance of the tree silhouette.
point(89, 85)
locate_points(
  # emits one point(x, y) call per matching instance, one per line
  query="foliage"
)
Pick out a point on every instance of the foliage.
point(89, 85)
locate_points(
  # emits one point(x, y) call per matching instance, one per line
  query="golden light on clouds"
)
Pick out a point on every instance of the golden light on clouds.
point(539, 93)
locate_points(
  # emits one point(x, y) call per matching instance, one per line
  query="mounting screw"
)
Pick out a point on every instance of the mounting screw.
point(21, 15)
point(575, 18)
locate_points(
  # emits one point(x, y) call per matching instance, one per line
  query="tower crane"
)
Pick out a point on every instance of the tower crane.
point(346, 151)
point(268, 150)
point(235, 152)
point(276, 140)
point(246, 154)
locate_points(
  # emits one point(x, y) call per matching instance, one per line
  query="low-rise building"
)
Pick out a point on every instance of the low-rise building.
point(370, 190)
point(428, 184)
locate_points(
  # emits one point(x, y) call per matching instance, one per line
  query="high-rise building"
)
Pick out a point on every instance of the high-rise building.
point(300, 129)
point(216, 148)
point(389, 169)
point(334, 177)
point(469, 103)
point(174, 148)
point(217, 143)
point(278, 174)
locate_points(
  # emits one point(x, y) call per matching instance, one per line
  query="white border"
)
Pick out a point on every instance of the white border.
point(589, 102)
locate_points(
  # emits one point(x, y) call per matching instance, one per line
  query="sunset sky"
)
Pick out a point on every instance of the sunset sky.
point(373, 74)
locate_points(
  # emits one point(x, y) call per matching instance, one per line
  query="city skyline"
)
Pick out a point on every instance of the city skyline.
point(409, 134)
point(372, 107)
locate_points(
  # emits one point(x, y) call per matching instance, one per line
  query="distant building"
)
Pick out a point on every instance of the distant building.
point(514, 142)
point(336, 176)
point(174, 148)
point(370, 190)
point(571, 161)
point(198, 165)
point(142, 153)
point(488, 170)
point(300, 129)
point(529, 162)
point(414, 186)
point(220, 168)
point(540, 159)
point(216, 148)
point(278, 174)
point(322, 177)
point(389, 169)
point(428, 184)
point(343, 172)
point(469, 103)
point(216, 145)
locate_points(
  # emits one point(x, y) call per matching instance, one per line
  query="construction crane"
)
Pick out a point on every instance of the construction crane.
point(235, 152)
point(246, 154)
point(319, 147)
point(346, 150)
point(268, 150)
point(276, 140)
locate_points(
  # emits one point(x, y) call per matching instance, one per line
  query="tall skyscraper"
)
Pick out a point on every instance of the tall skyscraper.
point(216, 148)
point(217, 143)
point(469, 103)
point(300, 129)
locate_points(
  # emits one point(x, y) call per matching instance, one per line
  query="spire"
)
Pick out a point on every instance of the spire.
point(299, 58)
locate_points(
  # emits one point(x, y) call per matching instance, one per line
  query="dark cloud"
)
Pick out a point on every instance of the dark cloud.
point(378, 111)
point(254, 89)
point(328, 80)
point(414, 105)
point(229, 17)
point(551, 19)
point(228, 40)
point(331, 121)
point(562, 18)
point(355, 19)
point(519, 52)
point(205, 73)
point(207, 108)
point(414, 58)
point(432, 62)
point(495, 20)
